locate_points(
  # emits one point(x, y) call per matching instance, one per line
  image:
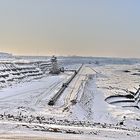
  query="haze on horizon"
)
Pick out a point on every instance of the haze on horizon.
point(106, 28)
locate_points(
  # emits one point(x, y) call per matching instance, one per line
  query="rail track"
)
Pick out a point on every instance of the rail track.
point(62, 89)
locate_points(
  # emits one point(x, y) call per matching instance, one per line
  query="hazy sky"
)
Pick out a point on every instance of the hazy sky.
point(70, 27)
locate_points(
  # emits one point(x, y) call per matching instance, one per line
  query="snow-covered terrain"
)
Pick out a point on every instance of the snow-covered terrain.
point(101, 102)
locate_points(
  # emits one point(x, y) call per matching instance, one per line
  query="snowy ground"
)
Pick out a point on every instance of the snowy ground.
point(95, 105)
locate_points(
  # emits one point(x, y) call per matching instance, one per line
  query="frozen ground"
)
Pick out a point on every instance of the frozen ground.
point(99, 103)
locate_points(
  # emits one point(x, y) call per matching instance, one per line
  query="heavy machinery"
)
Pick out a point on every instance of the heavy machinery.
point(54, 66)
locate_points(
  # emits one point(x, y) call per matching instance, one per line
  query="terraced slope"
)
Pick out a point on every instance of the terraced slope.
point(11, 72)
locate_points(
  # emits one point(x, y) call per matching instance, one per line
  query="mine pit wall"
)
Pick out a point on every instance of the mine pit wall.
point(128, 100)
point(43, 65)
point(18, 72)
